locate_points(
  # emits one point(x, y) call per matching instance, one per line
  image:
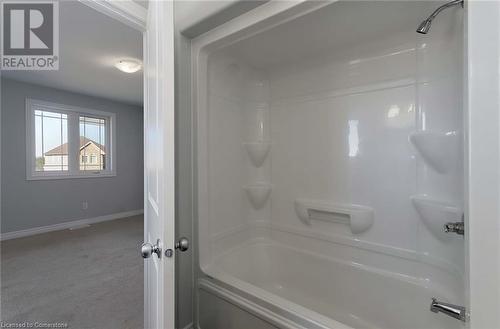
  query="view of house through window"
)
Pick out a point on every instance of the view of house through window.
point(92, 143)
point(51, 141)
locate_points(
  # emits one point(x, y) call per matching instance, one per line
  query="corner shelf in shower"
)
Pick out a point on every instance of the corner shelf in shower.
point(359, 218)
point(258, 193)
point(439, 149)
point(436, 213)
point(257, 151)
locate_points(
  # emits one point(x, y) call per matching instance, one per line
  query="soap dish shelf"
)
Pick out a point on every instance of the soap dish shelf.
point(358, 218)
point(257, 151)
point(258, 193)
point(436, 214)
point(438, 149)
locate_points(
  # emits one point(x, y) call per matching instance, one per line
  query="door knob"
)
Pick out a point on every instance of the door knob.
point(182, 244)
point(147, 249)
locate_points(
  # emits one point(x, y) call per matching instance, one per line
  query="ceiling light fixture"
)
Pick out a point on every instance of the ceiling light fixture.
point(128, 65)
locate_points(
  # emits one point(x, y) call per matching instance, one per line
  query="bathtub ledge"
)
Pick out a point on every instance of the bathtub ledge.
point(291, 321)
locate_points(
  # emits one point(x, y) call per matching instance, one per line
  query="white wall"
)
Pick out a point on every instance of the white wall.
point(29, 204)
point(483, 230)
point(340, 122)
point(340, 132)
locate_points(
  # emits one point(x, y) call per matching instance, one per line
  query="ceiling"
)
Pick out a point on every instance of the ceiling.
point(90, 44)
point(338, 26)
point(195, 17)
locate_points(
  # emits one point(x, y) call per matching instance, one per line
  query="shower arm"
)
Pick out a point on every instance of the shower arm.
point(425, 26)
point(443, 7)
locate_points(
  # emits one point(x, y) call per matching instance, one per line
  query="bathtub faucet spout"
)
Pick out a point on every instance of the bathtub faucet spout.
point(455, 311)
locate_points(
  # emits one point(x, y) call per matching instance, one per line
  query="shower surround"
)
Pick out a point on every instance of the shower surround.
point(330, 156)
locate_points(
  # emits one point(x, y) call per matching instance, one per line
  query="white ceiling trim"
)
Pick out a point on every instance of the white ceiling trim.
point(127, 12)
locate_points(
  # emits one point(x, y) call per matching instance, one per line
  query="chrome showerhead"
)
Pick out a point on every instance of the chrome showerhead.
point(425, 26)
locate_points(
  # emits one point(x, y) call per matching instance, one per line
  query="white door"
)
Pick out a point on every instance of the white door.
point(159, 229)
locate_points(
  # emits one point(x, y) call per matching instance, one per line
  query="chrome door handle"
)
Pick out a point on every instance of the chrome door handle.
point(182, 244)
point(147, 249)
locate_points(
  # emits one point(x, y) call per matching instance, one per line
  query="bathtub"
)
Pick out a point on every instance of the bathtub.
point(306, 290)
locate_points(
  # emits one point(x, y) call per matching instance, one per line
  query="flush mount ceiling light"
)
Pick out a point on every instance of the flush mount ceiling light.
point(128, 65)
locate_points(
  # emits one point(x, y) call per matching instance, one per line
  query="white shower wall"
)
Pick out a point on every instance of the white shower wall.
point(236, 93)
point(339, 124)
point(340, 133)
point(340, 128)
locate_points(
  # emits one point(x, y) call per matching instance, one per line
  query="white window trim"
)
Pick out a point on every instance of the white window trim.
point(73, 141)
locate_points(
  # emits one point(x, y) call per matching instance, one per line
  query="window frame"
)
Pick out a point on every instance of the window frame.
point(73, 113)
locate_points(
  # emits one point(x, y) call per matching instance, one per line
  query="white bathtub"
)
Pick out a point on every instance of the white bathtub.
point(312, 291)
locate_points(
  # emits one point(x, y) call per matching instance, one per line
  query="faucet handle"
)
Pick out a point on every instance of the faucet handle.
point(455, 227)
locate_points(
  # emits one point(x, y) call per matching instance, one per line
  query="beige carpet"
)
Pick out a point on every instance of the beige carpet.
point(88, 278)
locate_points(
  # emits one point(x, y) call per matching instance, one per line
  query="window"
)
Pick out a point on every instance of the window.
point(51, 141)
point(92, 133)
point(68, 142)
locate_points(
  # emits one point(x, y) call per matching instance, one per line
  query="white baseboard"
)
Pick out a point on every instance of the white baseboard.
point(68, 225)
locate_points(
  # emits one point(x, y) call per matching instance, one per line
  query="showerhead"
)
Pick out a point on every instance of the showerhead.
point(425, 26)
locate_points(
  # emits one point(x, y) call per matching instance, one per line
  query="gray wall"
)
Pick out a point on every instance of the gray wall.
point(28, 204)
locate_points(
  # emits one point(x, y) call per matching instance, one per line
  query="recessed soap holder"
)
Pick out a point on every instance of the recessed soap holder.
point(439, 149)
point(359, 218)
point(257, 151)
point(436, 214)
point(258, 193)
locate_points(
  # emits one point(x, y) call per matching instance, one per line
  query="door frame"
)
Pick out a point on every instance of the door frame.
point(482, 190)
